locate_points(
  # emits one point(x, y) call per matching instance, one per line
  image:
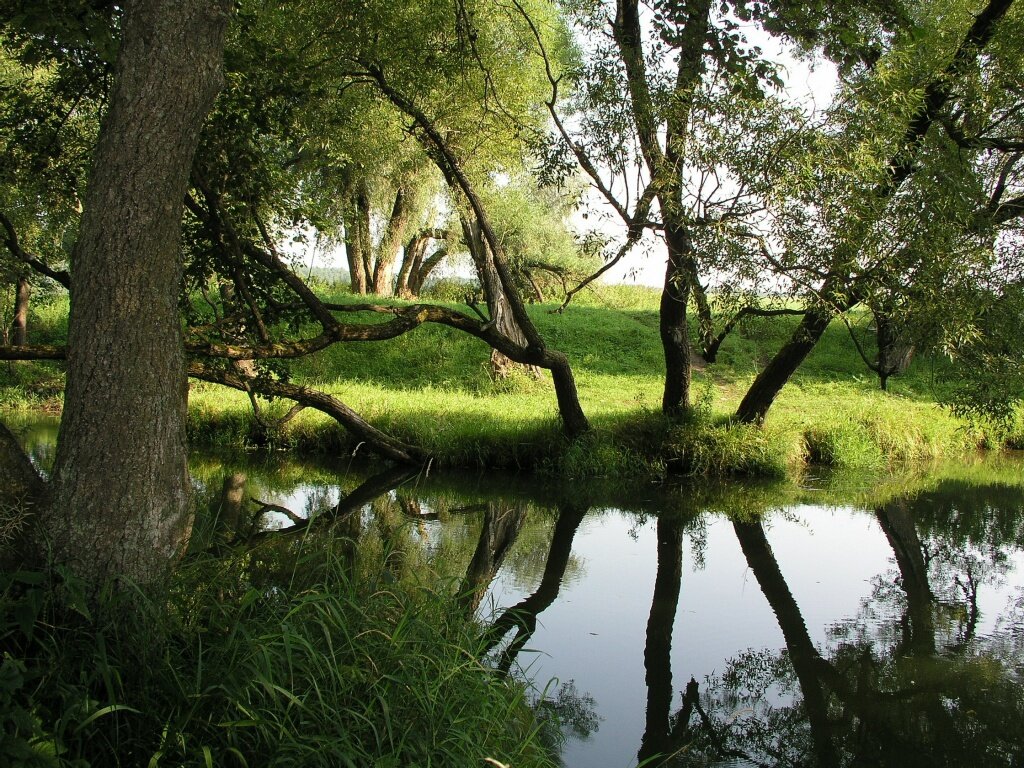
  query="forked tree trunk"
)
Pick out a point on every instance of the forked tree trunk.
point(664, 164)
point(498, 306)
point(19, 326)
point(121, 490)
point(416, 265)
point(411, 259)
point(423, 269)
point(391, 244)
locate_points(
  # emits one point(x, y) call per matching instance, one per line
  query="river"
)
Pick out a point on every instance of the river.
point(834, 620)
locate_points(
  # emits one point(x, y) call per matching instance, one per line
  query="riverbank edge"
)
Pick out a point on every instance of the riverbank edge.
point(639, 445)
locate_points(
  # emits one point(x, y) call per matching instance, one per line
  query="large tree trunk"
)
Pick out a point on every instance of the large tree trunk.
point(391, 244)
point(19, 326)
point(411, 260)
point(121, 490)
point(766, 387)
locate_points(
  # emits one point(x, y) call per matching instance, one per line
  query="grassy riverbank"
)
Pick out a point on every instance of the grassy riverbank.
point(291, 653)
point(431, 388)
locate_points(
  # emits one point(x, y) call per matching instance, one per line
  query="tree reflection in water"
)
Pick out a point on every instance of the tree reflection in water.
point(907, 682)
point(919, 676)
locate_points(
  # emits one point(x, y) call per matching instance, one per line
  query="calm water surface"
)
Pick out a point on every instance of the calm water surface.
point(842, 621)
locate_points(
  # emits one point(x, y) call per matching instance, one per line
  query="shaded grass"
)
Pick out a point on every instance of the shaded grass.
point(290, 662)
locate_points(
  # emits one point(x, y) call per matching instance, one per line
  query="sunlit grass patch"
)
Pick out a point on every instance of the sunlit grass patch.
point(432, 388)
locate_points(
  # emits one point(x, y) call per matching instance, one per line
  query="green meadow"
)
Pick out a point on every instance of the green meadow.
point(432, 388)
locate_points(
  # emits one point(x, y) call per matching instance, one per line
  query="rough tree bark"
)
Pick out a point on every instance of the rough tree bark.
point(19, 325)
point(120, 485)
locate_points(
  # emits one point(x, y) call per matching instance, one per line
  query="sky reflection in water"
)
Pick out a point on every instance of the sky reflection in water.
point(888, 631)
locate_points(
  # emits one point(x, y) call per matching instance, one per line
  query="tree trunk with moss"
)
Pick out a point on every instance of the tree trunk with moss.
point(120, 485)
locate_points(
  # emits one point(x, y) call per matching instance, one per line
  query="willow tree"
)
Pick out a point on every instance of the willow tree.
point(456, 106)
point(671, 116)
point(906, 189)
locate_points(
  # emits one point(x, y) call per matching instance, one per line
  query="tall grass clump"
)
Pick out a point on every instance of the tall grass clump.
point(843, 443)
point(306, 667)
point(870, 430)
point(728, 449)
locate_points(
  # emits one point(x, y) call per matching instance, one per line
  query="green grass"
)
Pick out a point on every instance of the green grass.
point(267, 658)
point(431, 387)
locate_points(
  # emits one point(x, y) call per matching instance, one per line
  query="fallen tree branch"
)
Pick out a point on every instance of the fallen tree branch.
point(33, 352)
point(381, 443)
